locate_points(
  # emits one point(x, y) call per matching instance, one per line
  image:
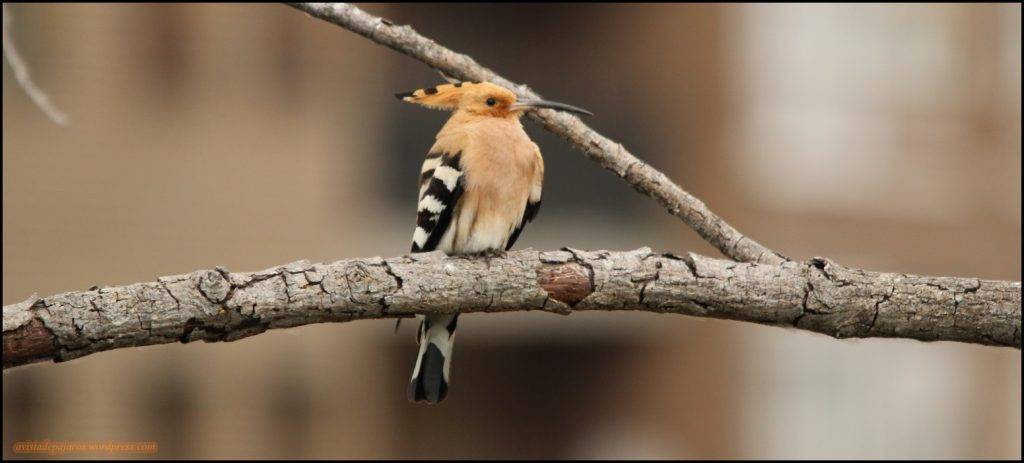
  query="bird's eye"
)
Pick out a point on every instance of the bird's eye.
point(491, 102)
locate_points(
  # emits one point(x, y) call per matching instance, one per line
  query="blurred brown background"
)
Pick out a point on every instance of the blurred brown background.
point(884, 137)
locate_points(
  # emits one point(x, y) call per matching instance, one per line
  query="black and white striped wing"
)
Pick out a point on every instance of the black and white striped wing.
point(528, 215)
point(532, 202)
point(441, 186)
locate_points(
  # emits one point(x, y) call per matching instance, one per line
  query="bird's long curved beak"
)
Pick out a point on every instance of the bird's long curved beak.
point(525, 104)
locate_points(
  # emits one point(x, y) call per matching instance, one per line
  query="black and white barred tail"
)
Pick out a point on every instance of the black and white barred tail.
point(430, 375)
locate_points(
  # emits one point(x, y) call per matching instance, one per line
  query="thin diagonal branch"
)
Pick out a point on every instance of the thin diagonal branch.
point(609, 154)
point(23, 78)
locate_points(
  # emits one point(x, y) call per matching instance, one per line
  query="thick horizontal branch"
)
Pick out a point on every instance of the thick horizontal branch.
point(609, 154)
point(218, 305)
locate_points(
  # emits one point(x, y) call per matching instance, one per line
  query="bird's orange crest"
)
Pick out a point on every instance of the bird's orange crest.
point(480, 99)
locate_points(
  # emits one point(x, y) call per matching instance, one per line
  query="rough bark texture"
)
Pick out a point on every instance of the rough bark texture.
point(218, 305)
point(609, 154)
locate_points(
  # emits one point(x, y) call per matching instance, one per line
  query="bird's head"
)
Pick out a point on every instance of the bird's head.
point(481, 99)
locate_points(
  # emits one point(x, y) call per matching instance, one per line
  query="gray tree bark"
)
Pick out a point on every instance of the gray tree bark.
point(218, 305)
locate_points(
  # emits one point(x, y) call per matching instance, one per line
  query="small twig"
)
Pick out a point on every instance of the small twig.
point(609, 154)
point(21, 75)
point(447, 78)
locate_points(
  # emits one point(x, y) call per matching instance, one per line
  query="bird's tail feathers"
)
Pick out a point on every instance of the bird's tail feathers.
point(430, 375)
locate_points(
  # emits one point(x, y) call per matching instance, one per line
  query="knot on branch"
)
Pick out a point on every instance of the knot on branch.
point(28, 343)
point(568, 283)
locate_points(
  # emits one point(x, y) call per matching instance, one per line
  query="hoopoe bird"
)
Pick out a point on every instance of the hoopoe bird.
point(479, 185)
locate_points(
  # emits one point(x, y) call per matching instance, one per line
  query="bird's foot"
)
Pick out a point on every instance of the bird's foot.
point(494, 253)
